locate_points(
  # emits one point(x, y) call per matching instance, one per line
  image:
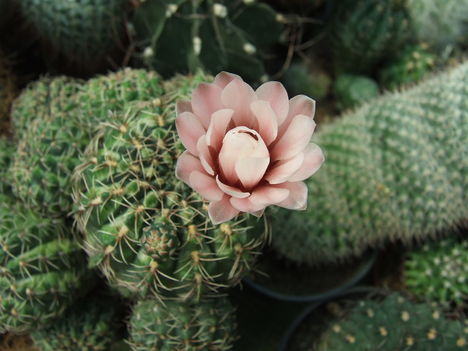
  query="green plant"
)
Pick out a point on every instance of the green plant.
point(363, 32)
point(184, 36)
point(301, 78)
point(7, 150)
point(395, 169)
point(438, 271)
point(209, 325)
point(147, 231)
point(351, 90)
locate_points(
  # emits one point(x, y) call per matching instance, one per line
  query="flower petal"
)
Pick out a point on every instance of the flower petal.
point(283, 170)
point(313, 159)
point(298, 105)
point(267, 120)
point(205, 155)
point(224, 78)
point(186, 164)
point(206, 99)
point(222, 211)
point(206, 186)
point(269, 195)
point(190, 130)
point(238, 95)
point(230, 190)
point(250, 170)
point(297, 199)
point(245, 205)
point(183, 106)
point(295, 139)
point(276, 95)
point(217, 129)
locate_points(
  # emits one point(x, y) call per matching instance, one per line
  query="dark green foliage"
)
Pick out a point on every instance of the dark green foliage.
point(300, 79)
point(351, 91)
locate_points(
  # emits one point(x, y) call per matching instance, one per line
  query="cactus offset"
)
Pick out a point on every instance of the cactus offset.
point(395, 170)
point(351, 91)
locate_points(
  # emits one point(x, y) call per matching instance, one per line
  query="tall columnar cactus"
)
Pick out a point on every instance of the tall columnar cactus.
point(209, 325)
point(439, 271)
point(395, 170)
point(55, 122)
point(394, 324)
point(89, 325)
point(184, 36)
point(8, 91)
point(363, 32)
point(147, 231)
point(351, 90)
point(42, 268)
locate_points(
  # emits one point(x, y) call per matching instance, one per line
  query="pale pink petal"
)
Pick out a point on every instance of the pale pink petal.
point(205, 155)
point(295, 139)
point(206, 186)
point(222, 211)
point(190, 130)
point(298, 105)
point(238, 95)
point(313, 159)
point(269, 195)
point(186, 164)
point(183, 106)
point(245, 205)
point(250, 170)
point(217, 129)
point(230, 190)
point(297, 199)
point(224, 78)
point(266, 118)
point(206, 99)
point(276, 95)
point(283, 170)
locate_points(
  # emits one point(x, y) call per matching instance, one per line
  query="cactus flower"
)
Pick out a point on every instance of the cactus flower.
point(247, 149)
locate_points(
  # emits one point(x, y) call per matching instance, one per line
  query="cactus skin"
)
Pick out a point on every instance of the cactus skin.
point(184, 36)
point(209, 325)
point(438, 271)
point(89, 325)
point(363, 32)
point(351, 91)
point(301, 79)
point(42, 268)
point(394, 324)
point(395, 169)
point(410, 66)
point(127, 199)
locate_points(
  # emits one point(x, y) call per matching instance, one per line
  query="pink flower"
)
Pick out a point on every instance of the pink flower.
point(247, 149)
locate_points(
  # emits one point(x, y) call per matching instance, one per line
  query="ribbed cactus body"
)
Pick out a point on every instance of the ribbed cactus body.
point(209, 325)
point(395, 169)
point(42, 268)
point(351, 90)
point(146, 230)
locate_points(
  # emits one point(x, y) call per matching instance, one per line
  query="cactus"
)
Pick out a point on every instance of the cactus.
point(363, 32)
point(209, 325)
point(55, 120)
point(7, 92)
point(351, 90)
point(301, 78)
point(393, 324)
point(410, 66)
point(184, 36)
point(146, 230)
point(85, 32)
point(42, 268)
point(89, 325)
point(438, 271)
point(395, 169)
point(7, 149)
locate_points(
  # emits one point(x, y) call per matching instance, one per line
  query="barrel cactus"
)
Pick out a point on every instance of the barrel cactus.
point(209, 325)
point(395, 170)
point(146, 230)
point(351, 90)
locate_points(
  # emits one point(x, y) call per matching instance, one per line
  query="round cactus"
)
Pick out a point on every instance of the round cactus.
point(209, 325)
point(351, 91)
point(300, 79)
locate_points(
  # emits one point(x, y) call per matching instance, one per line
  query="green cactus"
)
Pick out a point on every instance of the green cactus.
point(42, 268)
point(351, 90)
point(410, 66)
point(89, 325)
point(363, 32)
point(395, 169)
point(184, 36)
point(85, 32)
point(209, 325)
point(438, 271)
point(393, 324)
point(7, 149)
point(55, 121)
point(146, 230)
point(301, 78)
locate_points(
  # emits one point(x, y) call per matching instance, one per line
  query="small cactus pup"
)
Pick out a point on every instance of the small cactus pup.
point(42, 268)
point(395, 171)
point(308, 79)
point(438, 271)
point(352, 90)
point(145, 229)
point(208, 325)
point(184, 36)
point(89, 325)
